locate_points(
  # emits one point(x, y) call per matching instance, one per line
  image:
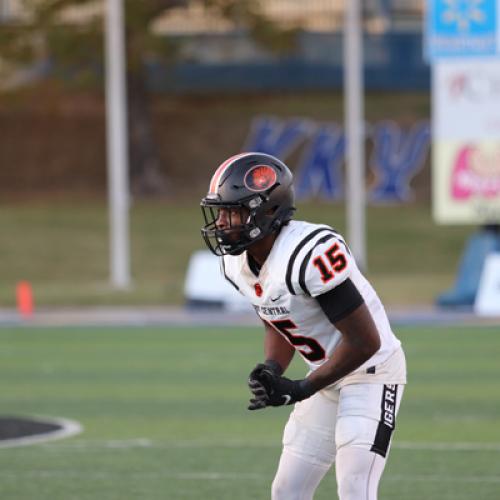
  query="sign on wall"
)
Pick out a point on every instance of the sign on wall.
point(466, 98)
point(466, 186)
point(462, 28)
point(397, 154)
point(466, 141)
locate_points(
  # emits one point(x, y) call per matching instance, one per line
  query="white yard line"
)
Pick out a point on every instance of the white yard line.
point(442, 479)
point(189, 475)
point(126, 444)
point(220, 476)
point(459, 446)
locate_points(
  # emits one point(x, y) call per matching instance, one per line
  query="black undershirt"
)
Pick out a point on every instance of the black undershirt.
point(253, 265)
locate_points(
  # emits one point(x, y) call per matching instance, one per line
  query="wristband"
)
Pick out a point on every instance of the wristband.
point(274, 366)
point(304, 389)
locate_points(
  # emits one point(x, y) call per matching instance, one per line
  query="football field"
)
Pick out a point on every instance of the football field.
point(164, 415)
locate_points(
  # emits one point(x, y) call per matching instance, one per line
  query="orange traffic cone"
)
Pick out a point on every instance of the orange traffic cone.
point(24, 295)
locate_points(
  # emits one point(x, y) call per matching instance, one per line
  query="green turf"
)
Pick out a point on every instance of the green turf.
point(62, 248)
point(164, 415)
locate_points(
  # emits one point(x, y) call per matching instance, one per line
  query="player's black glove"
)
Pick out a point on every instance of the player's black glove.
point(260, 398)
point(271, 389)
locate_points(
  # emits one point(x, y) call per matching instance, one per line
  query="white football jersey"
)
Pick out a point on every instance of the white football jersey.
point(307, 260)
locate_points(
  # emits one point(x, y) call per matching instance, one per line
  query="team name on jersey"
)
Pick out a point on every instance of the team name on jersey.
point(389, 405)
point(271, 311)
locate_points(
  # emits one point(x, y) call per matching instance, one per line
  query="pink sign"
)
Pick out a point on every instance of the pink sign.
point(476, 172)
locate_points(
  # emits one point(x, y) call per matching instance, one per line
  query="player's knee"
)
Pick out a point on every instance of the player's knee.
point(352, 487)
point(352, 479)
point(287, 488)
point(358, 473)
point(281, 488)
point(296, 479)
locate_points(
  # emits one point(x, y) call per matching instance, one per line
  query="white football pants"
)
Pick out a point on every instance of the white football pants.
point(352, 427)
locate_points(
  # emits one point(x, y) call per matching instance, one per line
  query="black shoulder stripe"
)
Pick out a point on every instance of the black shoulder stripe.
point(298, 248)
point(347, 249)
point(225, 275)
point(341, 239)
point(303, 266)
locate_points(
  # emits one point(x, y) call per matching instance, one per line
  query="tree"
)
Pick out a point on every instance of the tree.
point(69, 33)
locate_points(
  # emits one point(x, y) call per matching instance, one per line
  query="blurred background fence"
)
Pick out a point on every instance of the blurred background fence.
point(206, 79)
point(299, 48)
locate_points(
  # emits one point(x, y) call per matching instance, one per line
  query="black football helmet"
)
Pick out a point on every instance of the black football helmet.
point(260, 188)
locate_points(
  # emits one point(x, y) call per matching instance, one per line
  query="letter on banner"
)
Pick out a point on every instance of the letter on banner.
point(320, 171)
point(396, 158)
point(277, 137)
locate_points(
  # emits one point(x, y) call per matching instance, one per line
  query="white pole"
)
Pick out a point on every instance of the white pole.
point(354, 126)
point(117, 156)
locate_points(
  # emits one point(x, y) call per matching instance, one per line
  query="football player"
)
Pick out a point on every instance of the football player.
point(305, 286)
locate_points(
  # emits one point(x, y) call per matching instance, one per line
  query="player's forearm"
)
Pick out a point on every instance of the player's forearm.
point(345, 360)
point(360, 341)
point(278, 349)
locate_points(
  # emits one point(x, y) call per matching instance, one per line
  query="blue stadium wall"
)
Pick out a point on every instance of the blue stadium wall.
point(393, 61)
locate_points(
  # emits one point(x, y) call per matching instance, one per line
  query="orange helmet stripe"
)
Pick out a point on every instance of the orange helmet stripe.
point(222, 168)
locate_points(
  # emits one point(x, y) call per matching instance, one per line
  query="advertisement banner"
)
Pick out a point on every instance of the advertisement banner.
point(466, 182)
point(458, 28)
point(466, 99)
point(466, 141)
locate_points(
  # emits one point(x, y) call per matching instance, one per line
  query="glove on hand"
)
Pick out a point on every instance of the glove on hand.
point(260, 399)
point(271, 389)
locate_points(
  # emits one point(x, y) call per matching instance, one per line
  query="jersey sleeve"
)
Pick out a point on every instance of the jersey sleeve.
point(322, 265)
